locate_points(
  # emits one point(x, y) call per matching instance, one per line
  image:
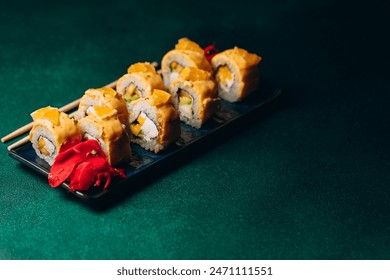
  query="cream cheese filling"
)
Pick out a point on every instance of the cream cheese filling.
point(45, 146)
point(225, 77)
point(185, 104)
point(144, 127)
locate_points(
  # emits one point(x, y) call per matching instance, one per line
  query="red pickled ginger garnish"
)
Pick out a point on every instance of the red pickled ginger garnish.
point(210, 51)
point(83, 165)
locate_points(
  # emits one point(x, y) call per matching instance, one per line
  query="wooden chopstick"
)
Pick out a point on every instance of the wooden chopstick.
point(28, 126)
point(17, 132)
point(25, 139)
point(72, 105)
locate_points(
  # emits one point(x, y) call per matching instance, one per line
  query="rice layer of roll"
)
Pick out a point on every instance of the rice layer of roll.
point(195, 95)
point(53, 131)
point(155, 121)
point(186, 53)
point(103, 125)
point(236, 73)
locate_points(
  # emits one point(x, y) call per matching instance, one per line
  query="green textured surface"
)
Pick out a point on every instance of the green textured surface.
point(308, 181)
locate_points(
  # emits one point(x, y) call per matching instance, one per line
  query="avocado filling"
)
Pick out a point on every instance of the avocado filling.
point(131, 93)
point(185, 104)
point(144, 128)
point(176, 67)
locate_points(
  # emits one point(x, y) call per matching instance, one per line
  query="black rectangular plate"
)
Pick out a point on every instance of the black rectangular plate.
point(142, 161)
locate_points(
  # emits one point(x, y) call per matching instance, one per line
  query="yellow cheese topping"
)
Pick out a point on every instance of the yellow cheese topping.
point(107, 91)
point(103, 112)
point(195, 74)
point(250, 58)
point(49, 113)
point(187, 44)
point(159, 97)
point(223, 74)
point(141, 67)
point(107, 97)
point(109, 126)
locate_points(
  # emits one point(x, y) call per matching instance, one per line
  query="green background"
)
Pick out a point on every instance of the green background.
point(308, 180)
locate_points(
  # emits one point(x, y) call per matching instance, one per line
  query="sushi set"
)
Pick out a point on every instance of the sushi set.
point(146, 119)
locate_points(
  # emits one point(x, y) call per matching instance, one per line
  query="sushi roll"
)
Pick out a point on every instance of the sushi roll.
point(140, 81)
point(155, 121)
point(186, 53)
point(103, 97)
point(102, 124)
point(236, 73)
point(195, 95)
point(53, 131)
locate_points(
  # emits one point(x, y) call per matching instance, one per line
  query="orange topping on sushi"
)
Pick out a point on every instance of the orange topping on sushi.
point(141, 67)
point(186, 44)
point(242, 57)
point(160, 97)
point(107, 91)
point(249, 57)
point(103, 112)
point(195, 74)
point(49, 113)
